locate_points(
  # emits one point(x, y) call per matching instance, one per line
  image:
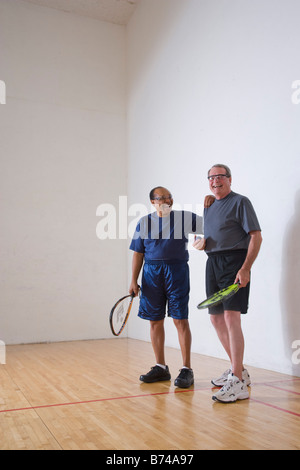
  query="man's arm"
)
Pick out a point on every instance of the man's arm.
point(199, 243)
point(137, 263)
point(243, 276)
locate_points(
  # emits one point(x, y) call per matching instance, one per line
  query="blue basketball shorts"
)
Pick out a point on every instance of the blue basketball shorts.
point(164, 284)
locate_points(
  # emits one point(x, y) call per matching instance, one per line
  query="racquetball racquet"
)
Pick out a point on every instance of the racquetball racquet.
point(219, 296)
point(119, 314)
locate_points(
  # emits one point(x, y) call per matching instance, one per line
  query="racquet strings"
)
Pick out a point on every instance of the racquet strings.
point(120, 313)
point(219, 297)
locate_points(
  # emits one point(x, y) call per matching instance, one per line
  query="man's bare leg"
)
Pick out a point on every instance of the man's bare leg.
point(157, 335)
point(185, 340)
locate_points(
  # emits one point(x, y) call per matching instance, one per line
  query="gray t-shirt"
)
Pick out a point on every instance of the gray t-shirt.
point(227, 223)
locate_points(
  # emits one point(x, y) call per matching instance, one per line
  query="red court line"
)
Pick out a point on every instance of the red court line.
point(55, 405)
point(102, 399)
point(275, 407)
point(294, 379)
point(271, 385)
point(283, 389)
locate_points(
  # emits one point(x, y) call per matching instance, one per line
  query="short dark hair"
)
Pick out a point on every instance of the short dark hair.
point(152, 192)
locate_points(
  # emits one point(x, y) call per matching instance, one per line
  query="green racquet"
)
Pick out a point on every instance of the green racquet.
point(219, 297)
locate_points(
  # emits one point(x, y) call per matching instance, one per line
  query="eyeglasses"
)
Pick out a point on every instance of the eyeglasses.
point(163, 198)
point(221, 177)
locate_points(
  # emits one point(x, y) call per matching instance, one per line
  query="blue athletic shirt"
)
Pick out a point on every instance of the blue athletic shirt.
point(166, 238)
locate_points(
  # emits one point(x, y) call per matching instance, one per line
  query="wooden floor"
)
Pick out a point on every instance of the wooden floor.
point(87, 395)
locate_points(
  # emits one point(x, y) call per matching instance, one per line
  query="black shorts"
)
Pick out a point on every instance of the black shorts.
point(221, 270)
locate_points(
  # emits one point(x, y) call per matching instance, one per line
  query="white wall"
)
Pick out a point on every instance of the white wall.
point(63, 153)
point(210, 81)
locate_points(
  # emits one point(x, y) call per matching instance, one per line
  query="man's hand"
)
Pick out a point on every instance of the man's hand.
point(208, 201)
point(134, 288)
point(199, 243)
point(242, 277)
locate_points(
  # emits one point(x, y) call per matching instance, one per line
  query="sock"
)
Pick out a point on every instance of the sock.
point(162, 366)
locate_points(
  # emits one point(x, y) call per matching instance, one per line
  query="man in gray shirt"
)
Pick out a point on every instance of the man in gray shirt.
point(233, 239)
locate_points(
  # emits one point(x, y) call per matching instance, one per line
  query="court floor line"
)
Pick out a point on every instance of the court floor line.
point(275, 407)
point(283, 389)
point(98, 400)
point(54, 405)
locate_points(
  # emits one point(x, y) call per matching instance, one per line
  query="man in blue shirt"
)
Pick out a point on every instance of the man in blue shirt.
point(160, 244)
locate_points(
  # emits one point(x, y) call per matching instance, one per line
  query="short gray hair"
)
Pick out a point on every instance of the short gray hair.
point(221, 165)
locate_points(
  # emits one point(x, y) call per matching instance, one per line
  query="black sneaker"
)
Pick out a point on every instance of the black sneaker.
point(156, 374)
point(185, 379)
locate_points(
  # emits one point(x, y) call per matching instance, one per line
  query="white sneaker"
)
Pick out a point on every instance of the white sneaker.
point(246, 377)
point(233, 390)
point(224, 378)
